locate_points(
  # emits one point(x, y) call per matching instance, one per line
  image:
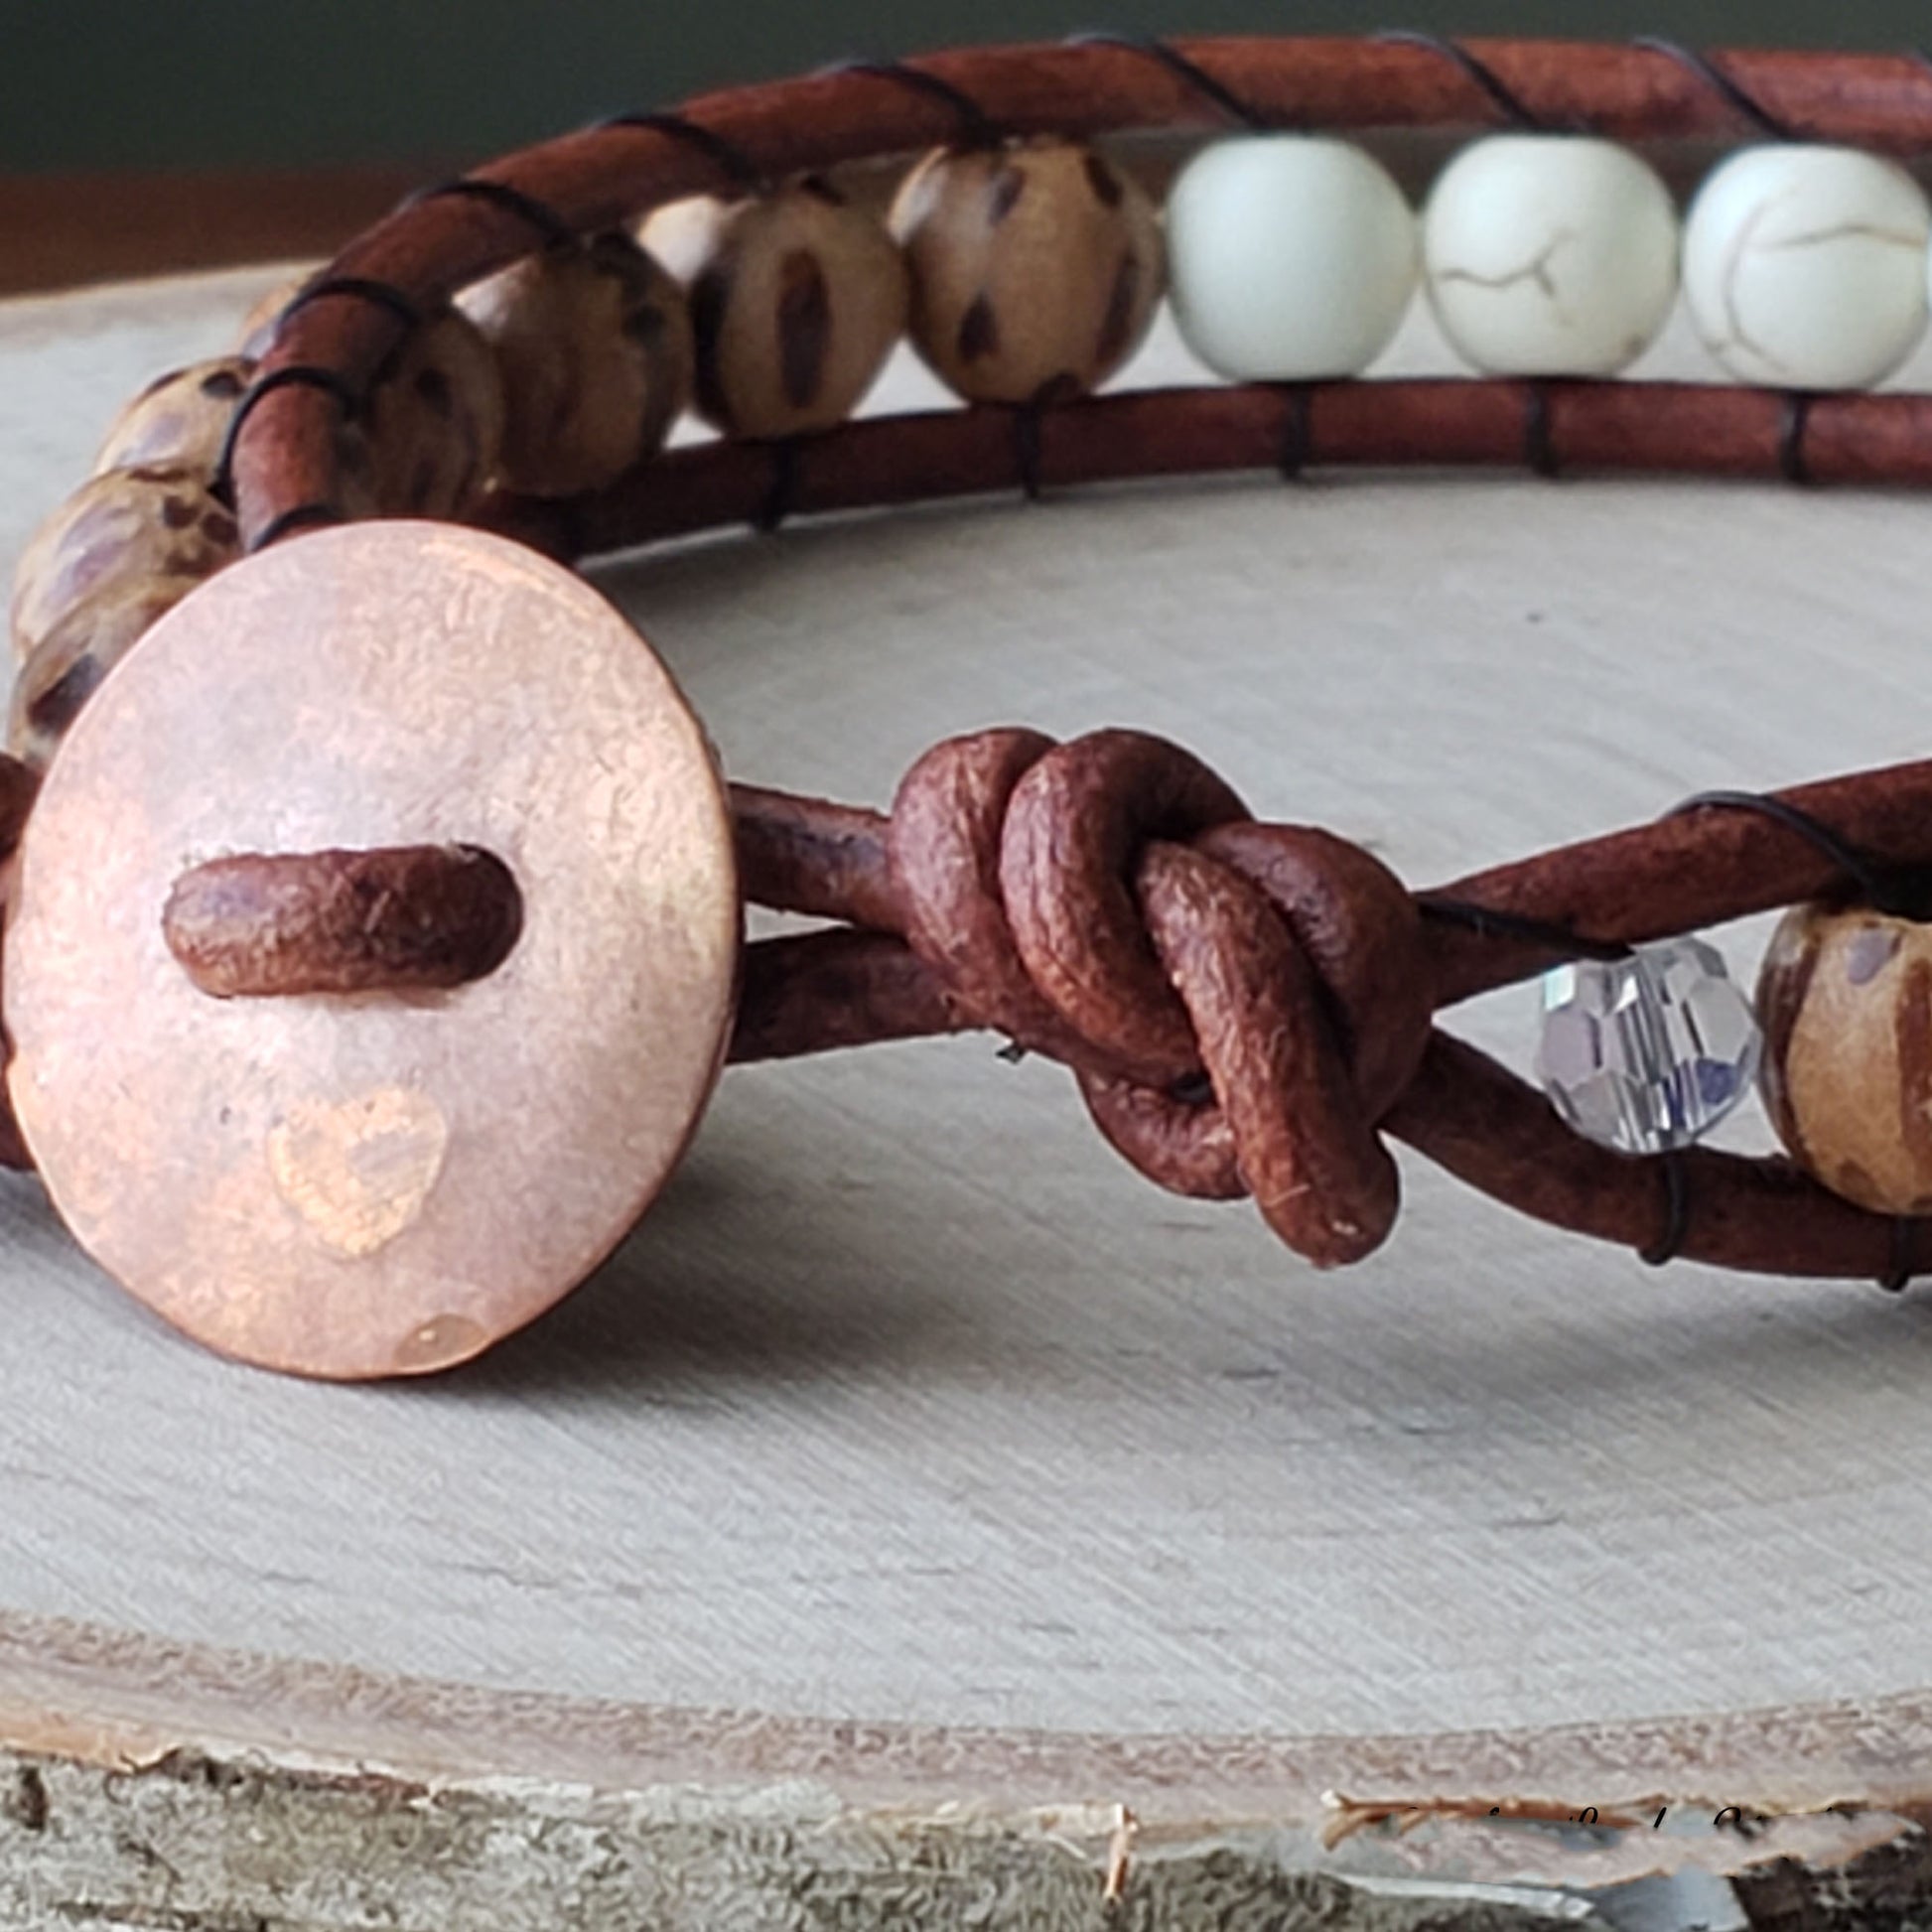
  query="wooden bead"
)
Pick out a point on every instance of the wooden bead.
point(73, 657)
point(1845, 996)
point(797, 300)
point(1037, 268)
point(182, 417)
point(153, 523)
point(593, 344)
point(435, 420)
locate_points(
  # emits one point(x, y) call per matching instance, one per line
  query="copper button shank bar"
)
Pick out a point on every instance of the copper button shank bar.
point(261, 924)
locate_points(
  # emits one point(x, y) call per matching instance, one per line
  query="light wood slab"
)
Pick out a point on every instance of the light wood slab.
point(919, 1487)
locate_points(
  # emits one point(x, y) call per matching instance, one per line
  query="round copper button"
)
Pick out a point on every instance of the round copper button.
point(381, 1180)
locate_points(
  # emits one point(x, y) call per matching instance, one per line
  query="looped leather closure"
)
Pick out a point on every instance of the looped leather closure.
point(1110, 902)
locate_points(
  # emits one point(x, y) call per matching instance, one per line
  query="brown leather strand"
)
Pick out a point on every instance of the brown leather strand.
point(814, 991)
point(1677, 874)
point(1463, 1111)
point(1691, 428)
point(1303, 977)
point(828, 860)
point(1680, 873)
point(284, 457)
point(1489, 1129)
point(1300, 1139)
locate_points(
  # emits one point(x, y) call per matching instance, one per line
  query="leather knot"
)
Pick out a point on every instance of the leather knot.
point(1240, 1002)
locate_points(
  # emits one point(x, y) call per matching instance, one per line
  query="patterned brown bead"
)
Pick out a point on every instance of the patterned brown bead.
point(797, 300)
point(595, 347)
point(435, 420)
point(180, 417)
point(1037, 268)
point(1844, 998)
point(70, 661)
point(153, 523)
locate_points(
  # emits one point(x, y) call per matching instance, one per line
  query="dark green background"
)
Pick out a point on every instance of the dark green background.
point(145, 83)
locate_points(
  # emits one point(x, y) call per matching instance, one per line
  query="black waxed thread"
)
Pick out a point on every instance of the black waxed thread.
point(303, 516)
point(305, 375)
point(1486, 922)
point(1539, 441)
point(1501, 94)
point(1793, 462)
point(361, 288)
point(1677, 1212)
point(1898, 1276)
point(1027, 450)
point(781, 498)
point(1720, 83)
point(1216, 93)
point(977, 128)
point(1845, 857)
point(727, 156)
point(541, 216)
point(1297, 432)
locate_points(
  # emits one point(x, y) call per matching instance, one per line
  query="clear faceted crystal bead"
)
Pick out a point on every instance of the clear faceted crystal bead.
point(1645, 1054)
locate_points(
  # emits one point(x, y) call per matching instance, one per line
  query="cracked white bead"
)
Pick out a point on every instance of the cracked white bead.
point(1550, 254)
point(1804, 267)
point(1292, 257)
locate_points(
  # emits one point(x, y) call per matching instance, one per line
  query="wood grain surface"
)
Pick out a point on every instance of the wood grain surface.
point(917, 1487)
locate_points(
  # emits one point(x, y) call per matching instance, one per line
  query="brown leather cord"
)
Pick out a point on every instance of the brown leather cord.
point(1677, 874)
point(734, 169)
point(1495, 1131)
point(1515, 112)
point(1247, 1006)
point(973, 126)
point(1190, 74)
point(848, 986)
point(358, 287)
point(1714, 430)
point(291, 375)
point(941, 870)
point(591, 180)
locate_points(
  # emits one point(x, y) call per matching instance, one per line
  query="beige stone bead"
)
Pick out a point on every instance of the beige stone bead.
point(1037, 268)
point(435, 420)
point(70, 663)
point(1844, 998)
point(797, 300)
point(153, 523)
point(595, 347)
point(180, 417)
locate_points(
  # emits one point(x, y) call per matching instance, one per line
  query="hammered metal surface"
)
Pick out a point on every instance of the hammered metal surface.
point(371, 1184)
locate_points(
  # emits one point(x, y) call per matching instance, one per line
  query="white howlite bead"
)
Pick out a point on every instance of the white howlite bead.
point(1804, 267)
point(1550, 254)
point(1291, 257)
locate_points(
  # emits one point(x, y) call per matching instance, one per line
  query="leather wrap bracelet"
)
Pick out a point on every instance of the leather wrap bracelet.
point(422, 874)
